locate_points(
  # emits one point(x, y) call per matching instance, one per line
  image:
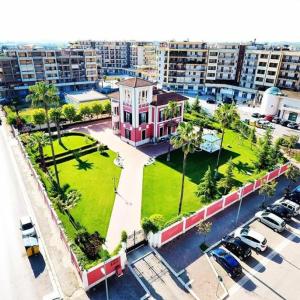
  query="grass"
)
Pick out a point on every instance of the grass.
point(68, 143)
point(162, 180)
point(92, 176)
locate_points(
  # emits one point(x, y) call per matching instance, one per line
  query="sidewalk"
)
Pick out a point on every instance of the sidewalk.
point(63, 269)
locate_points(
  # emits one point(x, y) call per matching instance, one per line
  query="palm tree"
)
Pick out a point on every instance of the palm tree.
point(170, 113)
point(188, 140)
point(44, 95)
point(225, 115)
point(39, 139)
point(55, 115)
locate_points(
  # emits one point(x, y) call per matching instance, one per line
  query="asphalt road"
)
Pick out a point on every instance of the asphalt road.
point(20, 277)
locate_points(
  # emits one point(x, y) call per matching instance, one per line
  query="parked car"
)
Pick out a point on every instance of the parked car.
point(293, 125)
point(246, 121)
point(256, 115)
point(268, 118)
point(27, 227)
point(276, 120)
point(251, 238)
point(227, 261)
point(262, 123)
point(211, 101)
point(292, 206)
point(271, 220)
point(280, 211)
point(284, 123)
point(294, 195)
point(236, 246)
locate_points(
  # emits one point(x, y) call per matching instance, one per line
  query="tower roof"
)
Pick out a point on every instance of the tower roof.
point(273, 91)
point(136, 82)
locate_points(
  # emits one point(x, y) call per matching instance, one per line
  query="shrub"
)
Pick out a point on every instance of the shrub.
point(154, 223)
point(124, 236)
point(12, 118)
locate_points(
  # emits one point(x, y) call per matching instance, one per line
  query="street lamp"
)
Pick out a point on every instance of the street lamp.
point(240, 204)
point(103, 271)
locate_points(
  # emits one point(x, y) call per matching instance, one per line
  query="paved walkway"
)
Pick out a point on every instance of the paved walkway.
point(126, 214)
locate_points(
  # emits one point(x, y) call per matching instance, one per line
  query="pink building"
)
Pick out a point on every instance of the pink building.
point(138, 111)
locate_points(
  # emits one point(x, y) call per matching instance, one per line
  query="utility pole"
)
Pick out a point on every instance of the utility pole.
point(240, 204)
point(106, 286)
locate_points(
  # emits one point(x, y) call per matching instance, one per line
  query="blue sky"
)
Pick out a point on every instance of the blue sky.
point(214, 20)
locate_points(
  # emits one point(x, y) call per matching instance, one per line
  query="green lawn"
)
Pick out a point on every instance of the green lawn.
point(93, 178)
point(68, 143)
point(162, 180)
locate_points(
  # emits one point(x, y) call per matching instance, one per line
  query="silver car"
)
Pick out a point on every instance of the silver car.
point(271, 220)
point(292, 206)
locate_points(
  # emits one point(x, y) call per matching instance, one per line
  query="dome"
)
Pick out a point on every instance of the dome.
point(273, 91)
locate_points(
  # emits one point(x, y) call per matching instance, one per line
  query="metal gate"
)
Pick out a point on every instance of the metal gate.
point(136, 239)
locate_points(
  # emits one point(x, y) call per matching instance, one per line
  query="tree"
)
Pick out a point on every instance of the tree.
point(225, 115)
point(227, 182)
point(170, 113)
point(291, 142)
point(252, 136)
point(84, 111)
point(38, 117)
point(70, 200)
point(187, 107)
point(187, 140)
point(204, 228)
point(206, 189)
point(292, 174)
point(39, 140)
point(55, 115)
point(275, 154)
point(69, 112)
point(263, 151)
point(268, 189)
point(107, 107)
point(97, 109)
point(196, 105)
point(45, 95)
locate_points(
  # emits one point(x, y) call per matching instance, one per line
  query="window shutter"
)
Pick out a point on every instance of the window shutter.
point(140, 119)
point(130, 118)
point(146, 117)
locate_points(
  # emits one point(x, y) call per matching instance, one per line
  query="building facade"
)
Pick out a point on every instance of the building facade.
point(138, 112)
point(69, 69)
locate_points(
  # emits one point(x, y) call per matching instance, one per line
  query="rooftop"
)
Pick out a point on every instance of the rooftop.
point(135, 82)
point(84, 96)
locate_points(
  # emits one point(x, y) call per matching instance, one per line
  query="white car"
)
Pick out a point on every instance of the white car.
point(251, 238)
point(27, 227)
point(292, 206)
point(271, 220)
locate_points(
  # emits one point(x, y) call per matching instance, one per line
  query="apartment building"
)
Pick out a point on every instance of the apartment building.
point(182, 65)
point(224, 63)
point(289, 72)
point(113, 56)
point(69, 69)
point(143, 54)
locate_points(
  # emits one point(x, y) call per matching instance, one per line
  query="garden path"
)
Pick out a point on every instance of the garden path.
point(126, 214)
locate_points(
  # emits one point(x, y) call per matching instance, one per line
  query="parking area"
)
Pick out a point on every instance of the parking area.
point(272, 274)
point(157, 278)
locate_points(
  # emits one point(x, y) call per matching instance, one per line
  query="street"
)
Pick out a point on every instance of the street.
point(20, 277)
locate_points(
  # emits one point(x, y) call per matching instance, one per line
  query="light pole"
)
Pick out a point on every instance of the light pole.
point(106, 286)
point(220, 279)
point(240, 204)
point(115, 189)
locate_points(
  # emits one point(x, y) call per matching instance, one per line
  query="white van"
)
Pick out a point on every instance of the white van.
point(292, 206)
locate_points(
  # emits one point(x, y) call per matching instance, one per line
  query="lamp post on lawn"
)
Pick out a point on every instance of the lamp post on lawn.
point(115, 189)
point(240, 204)
point(106, 286)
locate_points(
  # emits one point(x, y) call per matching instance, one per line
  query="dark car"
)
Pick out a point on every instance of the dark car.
point(0, 122)
point(276, 120)
point(284, 123)
point(227, 101)
point(294, 195)
point(236, 246)
point(256, 115)
point(227, 261)
point(211, 101)
point(280, 211)
point(293, 125)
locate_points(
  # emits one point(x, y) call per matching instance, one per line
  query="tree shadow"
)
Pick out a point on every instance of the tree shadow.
point(84, 165)
point(37, 263)
point(60, 142)
point(244, 168)
point(197, 162)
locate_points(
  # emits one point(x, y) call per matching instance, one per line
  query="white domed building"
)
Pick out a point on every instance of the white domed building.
point(284, 104)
